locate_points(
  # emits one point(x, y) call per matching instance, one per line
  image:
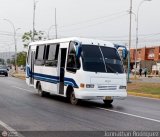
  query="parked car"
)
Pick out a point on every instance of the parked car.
point(4, 70)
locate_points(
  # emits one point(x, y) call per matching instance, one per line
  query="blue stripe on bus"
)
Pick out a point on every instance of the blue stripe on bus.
point(51, 79)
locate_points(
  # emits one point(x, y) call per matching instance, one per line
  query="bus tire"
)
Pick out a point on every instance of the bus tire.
point(71, 97)
point(40, 91)
point(108, 102)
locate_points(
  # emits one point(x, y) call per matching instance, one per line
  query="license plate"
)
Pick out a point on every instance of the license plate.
point(108, 98)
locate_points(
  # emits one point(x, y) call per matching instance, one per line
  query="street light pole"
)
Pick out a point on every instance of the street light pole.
point(137, 15)
point(34, 11)
point(34, 8)
point(130, 31)
point(56, 23)
point(49, 29)
point(15, 42)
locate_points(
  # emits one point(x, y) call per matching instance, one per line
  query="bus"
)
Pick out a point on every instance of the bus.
point(76, 68)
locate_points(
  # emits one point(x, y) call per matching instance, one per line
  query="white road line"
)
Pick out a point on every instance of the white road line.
point(10, 130)
point(22, 89)
point(146, 118)
point(6, 126)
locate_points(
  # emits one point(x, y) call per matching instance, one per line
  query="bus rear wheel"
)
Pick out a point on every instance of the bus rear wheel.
point(40, 91)
point(108, 102)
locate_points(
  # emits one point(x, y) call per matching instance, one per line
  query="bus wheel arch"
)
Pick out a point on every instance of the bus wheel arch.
point(70, 93)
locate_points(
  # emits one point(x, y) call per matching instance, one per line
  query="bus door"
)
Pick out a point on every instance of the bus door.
point(30, 67)
point(61, 69)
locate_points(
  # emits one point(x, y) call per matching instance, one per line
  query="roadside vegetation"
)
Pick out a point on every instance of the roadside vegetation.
point(144, 89)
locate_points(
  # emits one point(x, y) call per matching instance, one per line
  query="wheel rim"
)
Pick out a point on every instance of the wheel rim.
point(73, 98)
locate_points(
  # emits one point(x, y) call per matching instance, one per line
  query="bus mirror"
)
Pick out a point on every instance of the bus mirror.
point(78, 51)
point(124, 54)
point(124, 50)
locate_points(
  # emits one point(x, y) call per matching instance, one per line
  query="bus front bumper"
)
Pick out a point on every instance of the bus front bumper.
point(87, 95)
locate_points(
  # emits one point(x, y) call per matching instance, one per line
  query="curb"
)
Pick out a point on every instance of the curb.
point(144, 95)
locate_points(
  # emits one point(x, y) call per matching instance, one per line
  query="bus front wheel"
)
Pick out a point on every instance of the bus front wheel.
point(73, 99)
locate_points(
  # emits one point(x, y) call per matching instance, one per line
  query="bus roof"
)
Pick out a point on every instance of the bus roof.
point(81, 40)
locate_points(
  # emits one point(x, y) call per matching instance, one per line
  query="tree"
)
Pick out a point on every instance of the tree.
point(21, 58)
point(27, 37)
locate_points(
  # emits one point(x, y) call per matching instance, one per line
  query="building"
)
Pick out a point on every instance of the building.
point(146, 57)
point(7, 55)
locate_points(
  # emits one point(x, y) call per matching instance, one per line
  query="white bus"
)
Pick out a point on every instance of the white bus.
point(76, 68)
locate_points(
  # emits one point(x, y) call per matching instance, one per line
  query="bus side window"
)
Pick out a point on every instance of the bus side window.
point(52, 55)
point(40, 52)
point(72, 63)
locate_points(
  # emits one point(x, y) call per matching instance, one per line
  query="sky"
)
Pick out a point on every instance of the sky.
point(99, 19)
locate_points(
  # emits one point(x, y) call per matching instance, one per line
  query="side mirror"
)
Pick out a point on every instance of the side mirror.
point(124, 54)
point(78, 51)
point(124, 50)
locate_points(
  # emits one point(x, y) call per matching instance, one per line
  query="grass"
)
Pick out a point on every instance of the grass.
point(146, 89)
point(19, 75)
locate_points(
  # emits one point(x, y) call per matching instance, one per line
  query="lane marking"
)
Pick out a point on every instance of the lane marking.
point(22, 89)
point(128, 114)
point(144, 97)
point(10, 130)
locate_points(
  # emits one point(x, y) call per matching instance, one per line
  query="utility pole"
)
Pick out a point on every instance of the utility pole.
point(137, 18)
point(130, 31)
point(34, 9)
point(56, 24)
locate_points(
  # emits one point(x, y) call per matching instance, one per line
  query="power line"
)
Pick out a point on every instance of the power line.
point(6, 33)
point(91, 20)
point(91, 25)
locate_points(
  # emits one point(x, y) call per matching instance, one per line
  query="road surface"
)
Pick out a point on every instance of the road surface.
point(21, 109)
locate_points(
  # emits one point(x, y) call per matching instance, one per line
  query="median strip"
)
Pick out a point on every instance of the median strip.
point(144, 89)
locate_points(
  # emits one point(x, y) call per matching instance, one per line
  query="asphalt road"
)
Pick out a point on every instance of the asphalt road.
point(22, 109)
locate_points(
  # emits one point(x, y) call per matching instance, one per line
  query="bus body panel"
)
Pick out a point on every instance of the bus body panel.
point(104, 85)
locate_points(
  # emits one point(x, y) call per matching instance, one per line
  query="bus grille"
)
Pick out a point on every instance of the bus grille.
point(104, 87)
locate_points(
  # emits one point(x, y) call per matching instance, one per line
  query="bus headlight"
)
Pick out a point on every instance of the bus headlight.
point(89, 85)
point(122, 87)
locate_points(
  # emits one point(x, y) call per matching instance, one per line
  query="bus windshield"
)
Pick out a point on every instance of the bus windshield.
point(101, 59)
